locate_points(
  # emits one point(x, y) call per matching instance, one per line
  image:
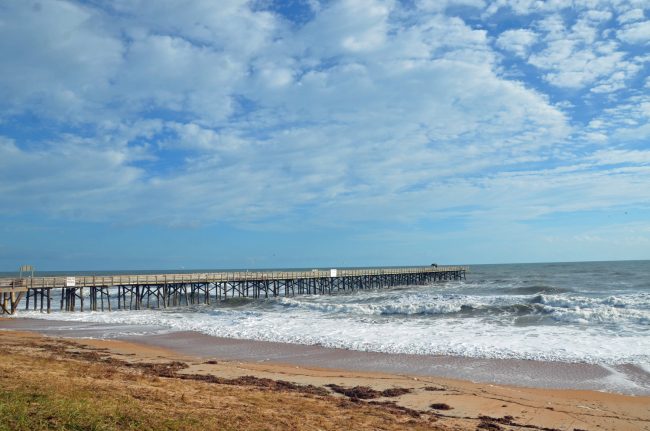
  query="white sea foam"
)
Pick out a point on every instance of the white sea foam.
point(570, 309)
point(452, 336)
point(621, 382)
point(645, 366)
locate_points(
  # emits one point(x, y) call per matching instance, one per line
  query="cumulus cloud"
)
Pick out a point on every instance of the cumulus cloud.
point(583, 54)
point(57, 59)
point(636, 33)
point(631, 15)
point(517, 41)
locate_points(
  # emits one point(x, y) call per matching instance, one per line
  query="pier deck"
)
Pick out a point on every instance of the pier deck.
point(168, 290)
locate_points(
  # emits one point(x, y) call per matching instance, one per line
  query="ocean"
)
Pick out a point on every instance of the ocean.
point(592, 312)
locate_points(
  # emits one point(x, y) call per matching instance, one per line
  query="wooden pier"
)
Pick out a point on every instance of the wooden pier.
point(135, 292)
point(11, 292)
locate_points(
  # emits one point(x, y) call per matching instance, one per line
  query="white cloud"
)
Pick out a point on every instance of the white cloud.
point(68, 61)
point(373, 29)
point(631, 16)
point(347, 28)
point(581, 57)
point(57, 59)
point(628, 121)
point(517, 41)
point(232, 25)
point(569, 66)
point(441, 5)
point(612, 157)
point(173, 74)
point(598, 15)
point(63, 178)
point(637, 33)
point(526, 7)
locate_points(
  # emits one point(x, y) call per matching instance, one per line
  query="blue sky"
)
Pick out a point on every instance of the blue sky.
point(203, 134)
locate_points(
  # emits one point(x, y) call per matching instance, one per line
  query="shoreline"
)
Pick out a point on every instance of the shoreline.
point(464, 405)
point(626, 379)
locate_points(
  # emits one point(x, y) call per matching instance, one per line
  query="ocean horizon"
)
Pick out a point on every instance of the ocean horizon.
point(183, 270)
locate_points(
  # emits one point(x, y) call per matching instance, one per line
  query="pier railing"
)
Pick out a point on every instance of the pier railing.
point(213, 277)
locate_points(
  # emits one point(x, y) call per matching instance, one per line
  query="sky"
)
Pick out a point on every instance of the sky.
point(303, 133)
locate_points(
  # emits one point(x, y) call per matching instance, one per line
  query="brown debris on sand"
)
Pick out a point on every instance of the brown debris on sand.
point(441, 406)
point(486, 425)
point(366, 392)
point(491, 423)
point(506, 420)
point(258, 382)
point(393, 406)
point(433, 388)
point(165, 369)
point(395, 392)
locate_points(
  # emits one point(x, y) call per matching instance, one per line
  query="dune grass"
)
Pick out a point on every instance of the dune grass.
point(45, 391)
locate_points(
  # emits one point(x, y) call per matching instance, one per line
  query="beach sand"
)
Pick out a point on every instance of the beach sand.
point(154, 387)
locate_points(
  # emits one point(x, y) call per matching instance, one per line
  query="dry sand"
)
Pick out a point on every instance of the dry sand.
point(306, 392)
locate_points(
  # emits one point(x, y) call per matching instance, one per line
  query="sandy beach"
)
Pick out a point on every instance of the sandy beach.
point(304, 395)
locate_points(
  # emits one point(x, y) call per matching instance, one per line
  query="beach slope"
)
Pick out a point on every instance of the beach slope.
point(55, 383)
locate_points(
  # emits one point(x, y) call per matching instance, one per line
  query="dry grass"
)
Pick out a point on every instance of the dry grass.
point(47, 386)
